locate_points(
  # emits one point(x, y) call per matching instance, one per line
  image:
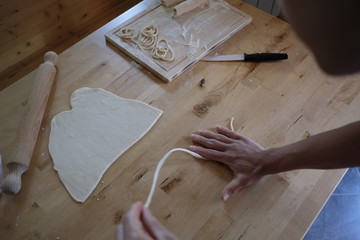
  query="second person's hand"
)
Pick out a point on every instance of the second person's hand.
point(140, 224)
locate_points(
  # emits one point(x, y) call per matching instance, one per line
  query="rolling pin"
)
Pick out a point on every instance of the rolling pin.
point(187, 6)
point(30, 123)
point(169, 3)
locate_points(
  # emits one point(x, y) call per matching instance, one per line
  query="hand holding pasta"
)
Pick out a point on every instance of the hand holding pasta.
point(139, 223)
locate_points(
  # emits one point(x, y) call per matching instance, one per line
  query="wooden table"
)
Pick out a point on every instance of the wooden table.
point(273, 103)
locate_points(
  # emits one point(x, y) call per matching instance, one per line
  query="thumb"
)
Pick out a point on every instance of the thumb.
point(152, 225)
point(240, 181)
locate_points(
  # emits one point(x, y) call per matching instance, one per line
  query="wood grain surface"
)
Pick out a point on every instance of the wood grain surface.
point(29, 28)
point(273, 103)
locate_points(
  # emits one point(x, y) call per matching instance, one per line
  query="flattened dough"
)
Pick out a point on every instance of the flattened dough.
point(86, 140)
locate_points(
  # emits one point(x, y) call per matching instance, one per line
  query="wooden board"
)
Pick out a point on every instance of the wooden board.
point(191, 36)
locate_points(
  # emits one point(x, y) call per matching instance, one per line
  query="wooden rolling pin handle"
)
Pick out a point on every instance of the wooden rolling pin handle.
point(51, 57)
point(12, 182)
point(30, 125)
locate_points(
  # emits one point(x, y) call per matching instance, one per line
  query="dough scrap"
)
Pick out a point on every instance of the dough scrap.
point(86, 140)
point(169, 3)
point(187, 6)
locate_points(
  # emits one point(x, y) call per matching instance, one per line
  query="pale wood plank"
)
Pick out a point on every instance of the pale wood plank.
point(30, 28)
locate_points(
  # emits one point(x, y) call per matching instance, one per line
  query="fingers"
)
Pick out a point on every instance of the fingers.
point(216, 141)
point(214, 146)
point(133, 227)
point(216, 136)
point(231, 188)
point(209, 154)
point(208, 142)
point(239, 182)
point(139, 223)
point(154, 227)
point(227, 132)
point(236, 136)
point(133, 216)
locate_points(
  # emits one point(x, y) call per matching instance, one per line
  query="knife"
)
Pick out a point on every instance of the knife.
point(256, 57)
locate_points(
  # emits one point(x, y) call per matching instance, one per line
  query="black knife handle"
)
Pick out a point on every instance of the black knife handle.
point(264, 57)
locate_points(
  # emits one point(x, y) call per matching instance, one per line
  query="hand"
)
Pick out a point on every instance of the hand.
point(241, 154)
point(140, 224)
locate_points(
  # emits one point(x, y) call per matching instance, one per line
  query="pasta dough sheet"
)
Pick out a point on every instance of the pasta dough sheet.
point(86, 140)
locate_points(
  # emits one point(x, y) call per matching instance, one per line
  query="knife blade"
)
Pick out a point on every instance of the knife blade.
point(255, 57)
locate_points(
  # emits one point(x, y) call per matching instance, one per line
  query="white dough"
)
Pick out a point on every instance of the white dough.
point(86, 140)
point(187, 6)
point(159, 166)
point(169, 3)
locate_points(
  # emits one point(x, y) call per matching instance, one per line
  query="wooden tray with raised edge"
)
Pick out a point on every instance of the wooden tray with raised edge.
point(191, 36)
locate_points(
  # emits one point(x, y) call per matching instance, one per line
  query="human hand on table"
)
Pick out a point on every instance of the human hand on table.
point(242, 155)
point(140, 224)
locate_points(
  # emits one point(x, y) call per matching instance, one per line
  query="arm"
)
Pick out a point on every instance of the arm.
point(338, 148)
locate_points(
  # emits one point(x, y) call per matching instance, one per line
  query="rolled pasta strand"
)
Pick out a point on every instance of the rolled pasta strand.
point(163, 160)
point(128, 34)
point(232, 124)
point(187, 6)
point(148, 37)
point(161, 52)
point(150, 31)
point(147, 42)
point(159, 166)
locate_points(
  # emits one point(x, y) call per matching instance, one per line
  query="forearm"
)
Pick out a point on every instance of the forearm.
point(338, 148)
